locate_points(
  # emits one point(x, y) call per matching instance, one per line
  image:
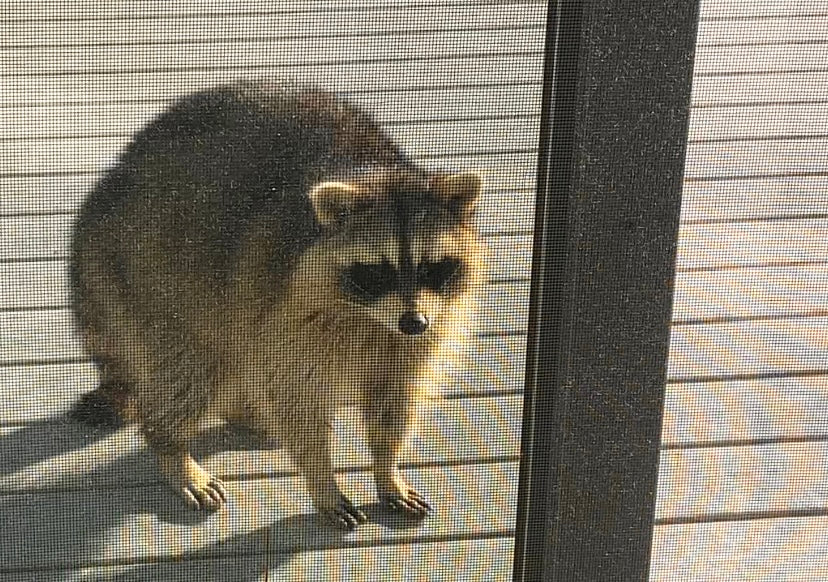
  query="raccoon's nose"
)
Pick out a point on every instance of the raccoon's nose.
point(413, 323)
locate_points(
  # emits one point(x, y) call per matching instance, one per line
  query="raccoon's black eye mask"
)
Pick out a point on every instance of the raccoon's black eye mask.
point(438, 275)
point(369, 282)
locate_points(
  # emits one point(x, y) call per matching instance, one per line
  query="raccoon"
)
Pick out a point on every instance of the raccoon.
point(264, 253)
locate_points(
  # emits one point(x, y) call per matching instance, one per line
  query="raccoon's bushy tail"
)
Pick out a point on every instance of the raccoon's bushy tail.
point(108, 406)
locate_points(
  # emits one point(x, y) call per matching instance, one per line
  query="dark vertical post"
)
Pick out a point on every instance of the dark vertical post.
point(614, 130)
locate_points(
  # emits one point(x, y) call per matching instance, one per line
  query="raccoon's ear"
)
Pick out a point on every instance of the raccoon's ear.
point(333, 200)
point(460, 191)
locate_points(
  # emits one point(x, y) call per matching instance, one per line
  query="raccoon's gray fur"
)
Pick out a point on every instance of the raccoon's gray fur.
point(264, 253)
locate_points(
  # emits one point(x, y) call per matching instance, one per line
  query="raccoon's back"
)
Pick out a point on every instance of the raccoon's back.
point(196, 179)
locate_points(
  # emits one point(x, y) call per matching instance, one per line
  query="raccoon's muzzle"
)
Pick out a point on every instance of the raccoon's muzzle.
point(413, 323)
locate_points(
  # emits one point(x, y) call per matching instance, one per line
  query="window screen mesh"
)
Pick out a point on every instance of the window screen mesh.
point(456, 84)
point(742, 481)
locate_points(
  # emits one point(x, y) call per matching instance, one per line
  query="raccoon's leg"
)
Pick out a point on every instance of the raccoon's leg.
point(200, 489)
point(389, 414)
point(107, 336)
point(306, 436)
point(170, 407)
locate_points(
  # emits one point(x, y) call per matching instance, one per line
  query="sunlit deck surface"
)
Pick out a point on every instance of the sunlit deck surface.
point(742, 491)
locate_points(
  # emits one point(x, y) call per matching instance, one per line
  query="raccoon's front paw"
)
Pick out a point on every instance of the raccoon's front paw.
point(199, 488)
point(209, 494)
point(340, 512)
point(402, 497)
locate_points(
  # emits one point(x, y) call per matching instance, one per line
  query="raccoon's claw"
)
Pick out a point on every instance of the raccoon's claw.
point(210, 496)
point(409, 502)
point(344, 515)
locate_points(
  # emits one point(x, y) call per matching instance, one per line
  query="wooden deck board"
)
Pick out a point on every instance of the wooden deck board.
point(760, 88)
point(759, 122)
point(761, 550)
point(766, 29)
point(754, 198)
point(719, 413)
point(736, 483)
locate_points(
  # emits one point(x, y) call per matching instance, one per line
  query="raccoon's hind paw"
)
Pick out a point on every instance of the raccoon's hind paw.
point(342, 513)
point(96, 409)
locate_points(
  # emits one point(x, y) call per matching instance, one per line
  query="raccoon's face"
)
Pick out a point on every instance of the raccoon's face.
point(402, 301)
point(406, 253)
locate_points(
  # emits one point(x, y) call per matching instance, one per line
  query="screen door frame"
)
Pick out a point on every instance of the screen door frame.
point(614, 124)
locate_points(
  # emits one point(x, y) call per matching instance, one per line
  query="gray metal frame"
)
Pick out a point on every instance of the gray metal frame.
point(614, 129)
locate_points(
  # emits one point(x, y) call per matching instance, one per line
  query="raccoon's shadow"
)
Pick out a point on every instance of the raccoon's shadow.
point(60, 453)
point(70, 487)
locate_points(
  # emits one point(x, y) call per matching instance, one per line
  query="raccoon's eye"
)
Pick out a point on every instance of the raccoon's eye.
point(369, 281)
point(438, 275)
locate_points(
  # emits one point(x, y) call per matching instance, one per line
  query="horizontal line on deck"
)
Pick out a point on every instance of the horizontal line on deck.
point(389, 90)
point(798, 42)
point(395, 123)
point(773, 218)
point(38, 308)
point(738, 104)
point(768, 72)
point(320, 8)
point(481, 395)
point(735, 319)
point(728, 443)
point(275, 38)
point(780, 137)
point(250, 67)
point(54, 362)
point(762, 17)
point(37, 214)
point(742, 516)
point(34, 259)
point(755, 176)
point(770, 265)
point(742, 377)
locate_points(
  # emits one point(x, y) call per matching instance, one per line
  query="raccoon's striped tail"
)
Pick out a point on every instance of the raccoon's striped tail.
point(108, 406)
